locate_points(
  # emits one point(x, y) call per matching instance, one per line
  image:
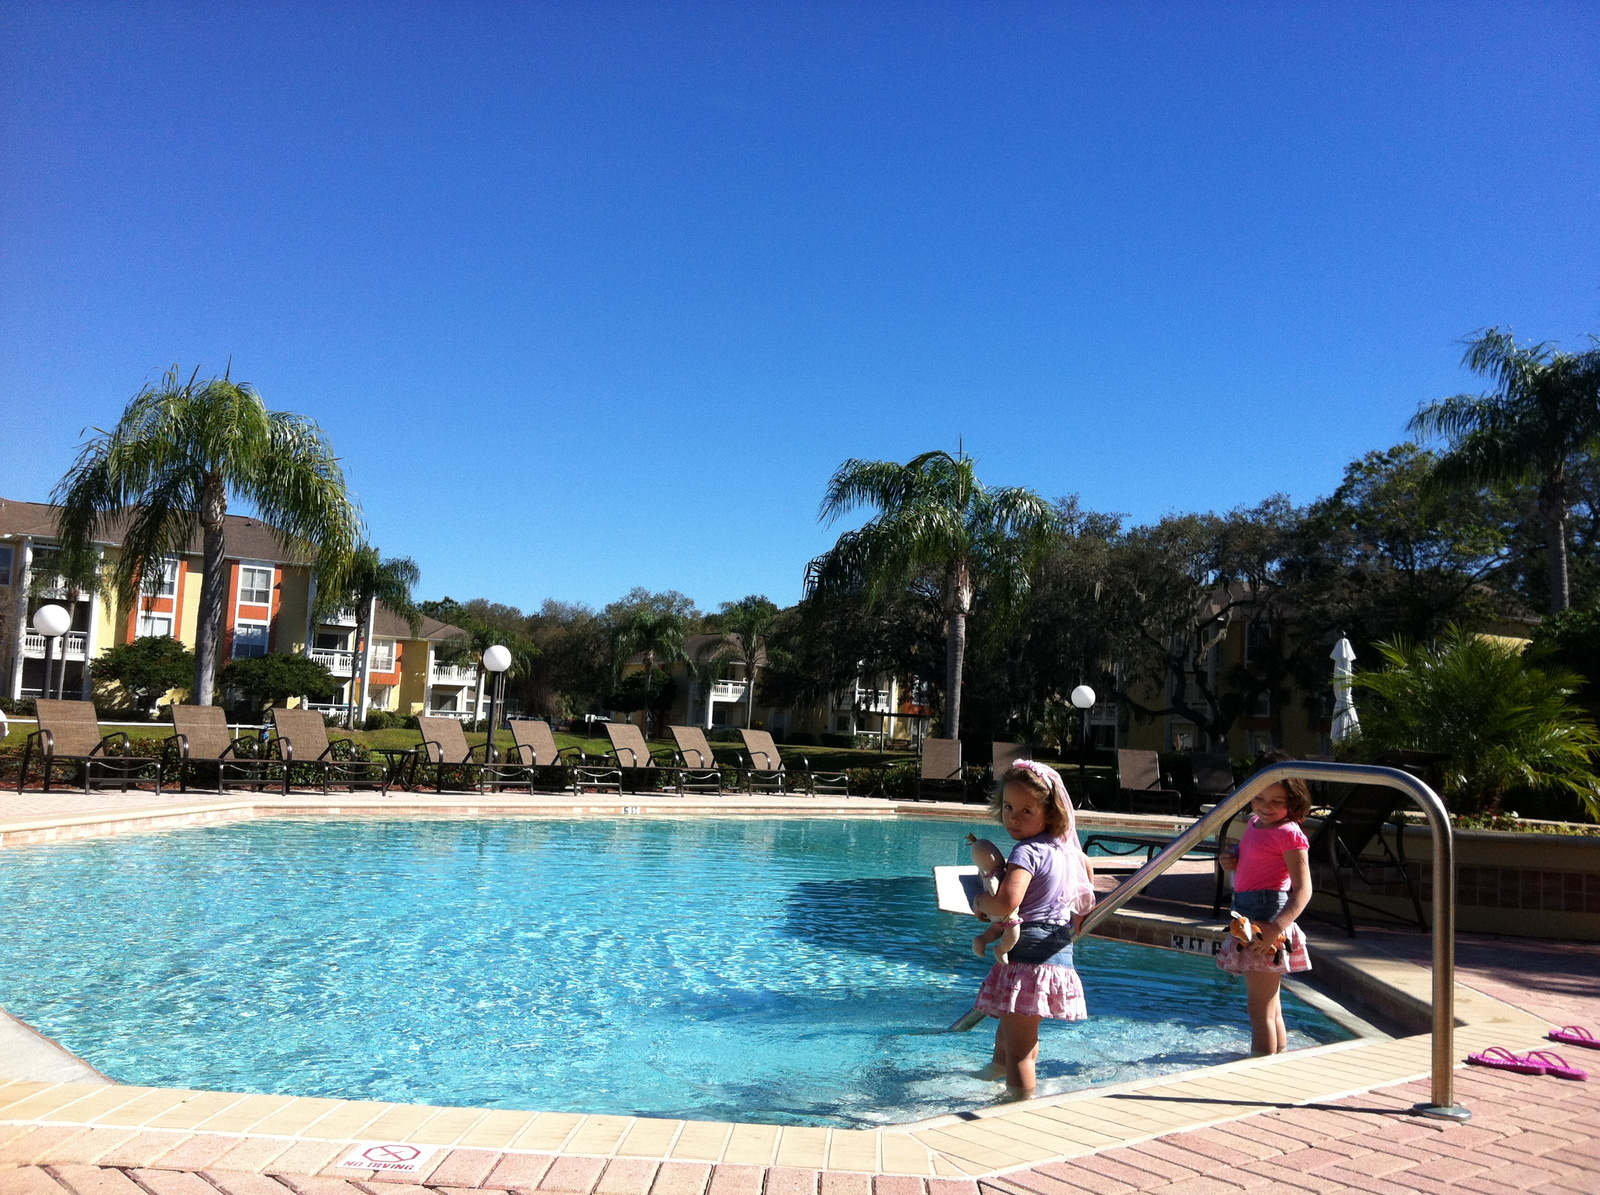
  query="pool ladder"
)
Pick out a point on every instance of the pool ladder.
point(1442, 1104)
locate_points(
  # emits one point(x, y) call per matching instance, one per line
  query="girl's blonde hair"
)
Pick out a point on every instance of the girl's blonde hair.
point(1044, 782)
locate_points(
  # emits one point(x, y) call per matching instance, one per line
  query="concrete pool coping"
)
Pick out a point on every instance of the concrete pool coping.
point(89, 1119)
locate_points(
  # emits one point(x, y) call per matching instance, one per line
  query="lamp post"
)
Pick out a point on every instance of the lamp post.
point(1083, 699)
point(496, 659)
point(53, 622)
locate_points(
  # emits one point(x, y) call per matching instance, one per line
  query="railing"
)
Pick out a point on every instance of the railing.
point(728, 690)
point(1443, 1103)
point(458, 715)
point(455, 674)
point(870, 701)
point(73, 643)
point(336, 661)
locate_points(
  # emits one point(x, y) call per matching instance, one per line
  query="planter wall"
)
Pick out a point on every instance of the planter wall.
point(1526, 885)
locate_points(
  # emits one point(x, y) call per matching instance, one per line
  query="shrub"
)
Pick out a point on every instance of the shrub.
point(724, 734)
point(837, 740)
point(1501, 722)
point(273, 679)
point(802, 738)
point(385, 720)
point(146, 668)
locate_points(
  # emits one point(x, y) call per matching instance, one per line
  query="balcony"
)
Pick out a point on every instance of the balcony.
point(340, 663)
point(455, 674)
point(866, 701)
point(74, 643)
point(728, 690)
point(458, 715)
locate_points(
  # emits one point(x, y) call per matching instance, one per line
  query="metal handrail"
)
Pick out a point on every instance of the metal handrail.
point(1443, 1103)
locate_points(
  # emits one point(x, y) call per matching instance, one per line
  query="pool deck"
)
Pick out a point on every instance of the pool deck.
point(1332, 1118)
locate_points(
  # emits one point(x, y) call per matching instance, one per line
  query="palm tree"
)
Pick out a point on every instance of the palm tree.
point(750, 620)
point(371, 580)
point(170, 465)
point(1544, 410)
point(655, 634)
point(934, 514)
point(1501, 722)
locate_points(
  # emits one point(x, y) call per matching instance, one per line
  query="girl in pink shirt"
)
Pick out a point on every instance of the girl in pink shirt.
point(1271, 886)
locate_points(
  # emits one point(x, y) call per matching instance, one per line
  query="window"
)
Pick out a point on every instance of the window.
point(249, 640)
point(1261, 704)
point(383, 655)
point(151, 624)
point(328, 641)
point(255, 586)
point(444, 703)
point(169, 579)
point(380, 697)
point(5, 564)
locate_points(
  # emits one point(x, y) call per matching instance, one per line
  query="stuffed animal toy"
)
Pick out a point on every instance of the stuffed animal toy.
point(1248, 932)
point(1004, 931)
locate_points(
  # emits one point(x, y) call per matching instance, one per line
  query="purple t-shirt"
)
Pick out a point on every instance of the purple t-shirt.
point(1046, 858)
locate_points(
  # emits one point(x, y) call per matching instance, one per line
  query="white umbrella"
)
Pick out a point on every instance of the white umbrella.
point(1345, 721)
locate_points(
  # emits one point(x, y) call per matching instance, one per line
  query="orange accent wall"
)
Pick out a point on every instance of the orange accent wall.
point(227, 614)
point(177, 606)
point(277, 607)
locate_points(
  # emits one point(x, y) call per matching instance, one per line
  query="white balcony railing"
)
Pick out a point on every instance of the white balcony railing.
point(74, 643)
point(458, 715)
point(728, 690)
point(340, 663)
point(868, 701)
point(455, 674)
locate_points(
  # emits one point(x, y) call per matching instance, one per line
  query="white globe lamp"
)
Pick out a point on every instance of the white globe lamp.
point(1083, 697)
point(496, 660)
point(52, 622)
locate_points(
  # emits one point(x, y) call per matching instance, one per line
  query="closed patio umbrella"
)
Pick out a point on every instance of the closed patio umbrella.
point(1345, 721)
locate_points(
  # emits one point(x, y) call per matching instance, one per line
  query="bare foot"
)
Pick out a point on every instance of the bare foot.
point(1017, 1094)
point(995, 1070)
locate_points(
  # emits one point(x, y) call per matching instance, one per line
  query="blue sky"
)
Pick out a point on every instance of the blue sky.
point(591, 296)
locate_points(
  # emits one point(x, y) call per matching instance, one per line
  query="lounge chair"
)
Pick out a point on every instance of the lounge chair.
point(69, 733)
point(636, 760)
point(1213, 776)
point(1357, 818)
point(764, 770)
point(1139, 783)
point(1004, 756)
point(535, 747)
point(445, 750)
point(701, 772)
point(767, 772)
point(941, 769)
point(300, 740)
point(201, 742)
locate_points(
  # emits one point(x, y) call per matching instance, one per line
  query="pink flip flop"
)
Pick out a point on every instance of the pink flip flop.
point(1503, 1059)
point(1556, 1065)
point(1574, 1035)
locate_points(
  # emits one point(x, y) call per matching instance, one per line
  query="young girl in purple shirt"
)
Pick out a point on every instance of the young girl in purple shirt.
point(1046, 882)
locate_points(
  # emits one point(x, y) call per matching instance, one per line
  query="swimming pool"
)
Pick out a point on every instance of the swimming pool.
point(774, 970)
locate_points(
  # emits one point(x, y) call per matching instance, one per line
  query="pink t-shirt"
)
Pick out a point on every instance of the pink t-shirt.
point(1261, 850)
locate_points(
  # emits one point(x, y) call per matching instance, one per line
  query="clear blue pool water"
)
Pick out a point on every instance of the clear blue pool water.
point(783, 971)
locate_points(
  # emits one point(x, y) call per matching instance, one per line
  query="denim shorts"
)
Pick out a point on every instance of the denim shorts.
point(1043, 942)
point(1260, 904)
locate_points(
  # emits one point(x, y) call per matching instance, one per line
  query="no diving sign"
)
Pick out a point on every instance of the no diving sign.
point(387, 1155)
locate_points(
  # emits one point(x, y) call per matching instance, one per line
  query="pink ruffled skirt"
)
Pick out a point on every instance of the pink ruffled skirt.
point(1036, 989)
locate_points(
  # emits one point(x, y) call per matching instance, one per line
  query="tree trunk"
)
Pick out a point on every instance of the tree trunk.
point(1556, 549)
point(958, 601)
point(213, 590)
point(367, 617)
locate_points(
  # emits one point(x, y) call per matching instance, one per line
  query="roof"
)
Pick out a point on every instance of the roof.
point(242, 538)
point(390, 625)
point(702, 647)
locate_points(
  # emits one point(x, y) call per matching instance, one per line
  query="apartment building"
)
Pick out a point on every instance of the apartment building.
point(270, 608)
